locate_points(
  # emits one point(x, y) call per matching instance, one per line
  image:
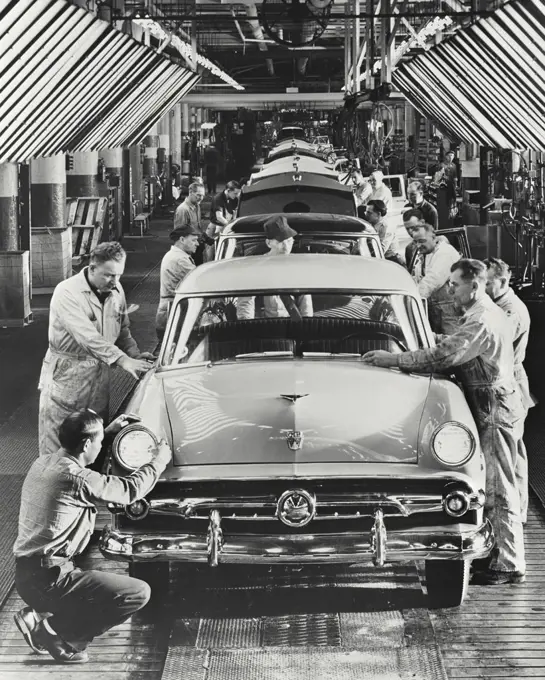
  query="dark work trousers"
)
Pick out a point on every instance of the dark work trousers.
point(83, 604)
point(211, 178)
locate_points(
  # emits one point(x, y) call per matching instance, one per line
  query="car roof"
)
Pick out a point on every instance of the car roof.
point(285, 181)
point(304, 164)
point(291, 151)
point(298, 272)
point(302, 223)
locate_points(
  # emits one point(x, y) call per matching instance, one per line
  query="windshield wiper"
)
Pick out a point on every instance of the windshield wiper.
point(266, 355)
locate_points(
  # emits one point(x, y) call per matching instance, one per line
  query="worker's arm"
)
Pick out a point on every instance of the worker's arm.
point(125, 341)
point(469, 342)
point(125, 490)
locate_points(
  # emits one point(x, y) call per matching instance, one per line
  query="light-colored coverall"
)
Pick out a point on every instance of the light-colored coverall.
point(431, 273)
point(85, 338)
point(175, 266)
point(482, 350)
point(519, 316)
point(273, 307)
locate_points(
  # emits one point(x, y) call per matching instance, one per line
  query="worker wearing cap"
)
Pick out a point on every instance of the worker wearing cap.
point(279, 239)
point(175, 266)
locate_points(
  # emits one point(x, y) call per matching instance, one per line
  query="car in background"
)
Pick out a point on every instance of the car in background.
point(290, 132)
point(294, 163)
point(316, 233)
point(276, 154)
point(292, 192)
point(287, 449)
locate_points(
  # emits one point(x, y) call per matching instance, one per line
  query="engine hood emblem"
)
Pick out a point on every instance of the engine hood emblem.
point(296, 508)
point(295, 440)
point(293, 397)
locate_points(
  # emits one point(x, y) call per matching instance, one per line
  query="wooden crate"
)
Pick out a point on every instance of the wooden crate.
point(15, 288)
point(86, 216)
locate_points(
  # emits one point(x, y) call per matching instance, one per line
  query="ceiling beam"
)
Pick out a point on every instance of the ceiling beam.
point(230, 101)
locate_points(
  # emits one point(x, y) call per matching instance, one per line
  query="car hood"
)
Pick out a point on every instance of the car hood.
point(247, 412)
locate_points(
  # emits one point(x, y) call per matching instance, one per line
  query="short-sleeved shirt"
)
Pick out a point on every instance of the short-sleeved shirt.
point(222, 202)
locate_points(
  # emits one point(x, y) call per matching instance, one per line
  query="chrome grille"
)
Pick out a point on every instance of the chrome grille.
point(328, 506)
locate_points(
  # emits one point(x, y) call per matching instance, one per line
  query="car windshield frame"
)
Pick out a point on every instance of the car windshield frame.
point(227, 242)
point(422, 335)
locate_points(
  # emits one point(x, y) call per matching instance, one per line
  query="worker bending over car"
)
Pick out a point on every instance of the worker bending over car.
point(481, 350)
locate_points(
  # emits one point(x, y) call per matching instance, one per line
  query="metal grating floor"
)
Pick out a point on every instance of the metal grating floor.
point(304, 664)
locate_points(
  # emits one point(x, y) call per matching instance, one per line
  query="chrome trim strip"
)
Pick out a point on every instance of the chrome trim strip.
point(404, 506)
point(438, 543)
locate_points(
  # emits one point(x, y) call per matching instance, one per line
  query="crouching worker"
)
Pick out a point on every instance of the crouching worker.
point(56, 521)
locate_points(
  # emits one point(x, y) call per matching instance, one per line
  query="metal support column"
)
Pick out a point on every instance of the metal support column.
point(370, 45)
point(347, 52)
point(356, 47)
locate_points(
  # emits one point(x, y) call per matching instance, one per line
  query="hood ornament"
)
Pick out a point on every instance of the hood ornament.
point(295, 440)
point(293, 397)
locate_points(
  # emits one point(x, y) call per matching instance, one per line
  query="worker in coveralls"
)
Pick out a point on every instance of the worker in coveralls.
point(88, 332)
point(498, 288)
point(482, 351)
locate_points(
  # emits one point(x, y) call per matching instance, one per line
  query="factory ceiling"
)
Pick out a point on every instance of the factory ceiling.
point(234, 35)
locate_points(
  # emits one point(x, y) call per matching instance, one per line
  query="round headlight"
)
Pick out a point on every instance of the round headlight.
point(134, 446)
point(453, 444)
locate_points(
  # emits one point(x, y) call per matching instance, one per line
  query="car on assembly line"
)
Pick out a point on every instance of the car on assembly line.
point(295, 164)
point(300, 192)
point(316, 233)
point(287, 449)
point(289, 132)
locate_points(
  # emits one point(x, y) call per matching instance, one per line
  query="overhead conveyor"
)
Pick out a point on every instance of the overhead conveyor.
point(486, 84)
point(71, 82)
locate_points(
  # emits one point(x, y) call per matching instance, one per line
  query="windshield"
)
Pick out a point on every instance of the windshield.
point(304, 201)
point(289, 133)
point(244, 245)
point(298, 324)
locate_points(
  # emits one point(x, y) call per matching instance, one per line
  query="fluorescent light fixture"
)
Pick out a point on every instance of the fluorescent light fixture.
point(186, 51)
point(208, 126)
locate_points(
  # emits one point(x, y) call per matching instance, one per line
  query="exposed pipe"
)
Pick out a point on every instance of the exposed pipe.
point(253, 20)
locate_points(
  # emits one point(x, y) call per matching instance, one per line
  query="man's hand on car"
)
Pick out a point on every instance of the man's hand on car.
point(163, 452)
point(380, 357)
point(147, 356)
point(120, 422)
point(134, 367)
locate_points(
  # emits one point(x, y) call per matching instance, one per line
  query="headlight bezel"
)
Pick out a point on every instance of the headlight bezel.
point(468, 432)
point(133, 427)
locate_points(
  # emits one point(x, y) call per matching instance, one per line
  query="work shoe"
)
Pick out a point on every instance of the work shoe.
point(481, 565)
point(26, 620)
point(60, 650)
point(490, 577)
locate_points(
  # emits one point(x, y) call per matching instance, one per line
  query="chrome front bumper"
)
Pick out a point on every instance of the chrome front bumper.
point(377, 546)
